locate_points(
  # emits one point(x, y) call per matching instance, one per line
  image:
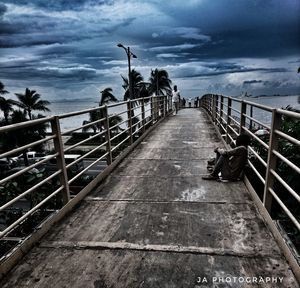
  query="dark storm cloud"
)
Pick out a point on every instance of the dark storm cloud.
point(56, 49)
point(35, 27)
point(61, 76)
point(249, 82)
point(223, 71)
point(58, 5)
point(73, 41)
point(245, 28)
point(3, 9)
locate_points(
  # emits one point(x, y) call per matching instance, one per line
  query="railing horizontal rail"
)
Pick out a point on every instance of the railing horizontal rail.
point(268, 145)
point(88, 167)
point(260, 106)
point(234, 120)
point(286, 186)
point(286, 210)
point(76, 113)
point(256, 172)
point(287, 137)
point(83, 126)
point(117, 146)
point(256, 138)
point(28, 168)
point(84, 141)
point(258, 122)
point(288, 113)
point(70, 168)
point(232, 129)
point(24, 147)
point(26, 124)
point(119, 134)
point(235, 110)
point(22, 195)
point(30, 212)
point(258, 156)
point(287, 161)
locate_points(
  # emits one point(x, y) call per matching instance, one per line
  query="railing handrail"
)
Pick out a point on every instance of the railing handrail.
point(104, 149)
point(270, 174)
point(25, 124)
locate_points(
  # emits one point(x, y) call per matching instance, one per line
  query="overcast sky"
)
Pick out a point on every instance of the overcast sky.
point(68, 49)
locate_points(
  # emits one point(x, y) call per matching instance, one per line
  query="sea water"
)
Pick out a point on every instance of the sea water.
point(58, 108)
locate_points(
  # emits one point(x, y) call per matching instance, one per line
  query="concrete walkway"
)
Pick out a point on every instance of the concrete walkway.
point(155, 223)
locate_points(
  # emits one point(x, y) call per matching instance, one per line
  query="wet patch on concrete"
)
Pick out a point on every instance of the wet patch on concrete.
point(154, 167)
point(231, 227)
point(170, 189)
point(171, 153)
point(178, 144)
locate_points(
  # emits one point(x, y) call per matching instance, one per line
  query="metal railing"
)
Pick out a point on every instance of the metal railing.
point(268, 159)
point(47, 185)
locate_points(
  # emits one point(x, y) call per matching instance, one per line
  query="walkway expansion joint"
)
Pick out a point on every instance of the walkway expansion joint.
point(91, 199)
point(95, 245)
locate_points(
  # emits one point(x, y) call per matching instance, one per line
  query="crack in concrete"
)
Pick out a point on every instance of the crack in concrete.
point(96, 245)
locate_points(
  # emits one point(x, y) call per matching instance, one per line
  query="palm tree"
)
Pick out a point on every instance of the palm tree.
point(30, 101)
point(137, 82)
point(6, 107)
point(5, 104)
point(93, 116)
point(2, 90)
point(160, 84)
point(21, 137)
point(107, 96)
point(114, 120)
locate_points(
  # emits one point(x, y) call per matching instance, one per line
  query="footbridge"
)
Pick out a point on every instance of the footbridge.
point(147, 219)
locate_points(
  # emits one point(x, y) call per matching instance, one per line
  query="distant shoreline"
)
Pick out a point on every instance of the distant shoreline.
point(267, 96)
point(74, 100)
point(239, 96)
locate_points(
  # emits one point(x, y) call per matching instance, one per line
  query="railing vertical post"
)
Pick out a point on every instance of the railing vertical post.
point(208, 102)
point(228, 122)
point(60, 159)
point(208, 98)
point(157, 106)
point(169, 99)
point(143, 114)
point(272, 160)
point(107, 135)
point(165, 106)
point(243, 117)
point(129, 113)
point(152, 109)
point(221, 108)
point(217, 108)
point(251, 115)
point(213, 108)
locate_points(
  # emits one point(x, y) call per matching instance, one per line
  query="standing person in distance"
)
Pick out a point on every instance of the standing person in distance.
point(176, 98)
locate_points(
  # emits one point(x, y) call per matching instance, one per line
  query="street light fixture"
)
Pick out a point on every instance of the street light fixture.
point(129, 55)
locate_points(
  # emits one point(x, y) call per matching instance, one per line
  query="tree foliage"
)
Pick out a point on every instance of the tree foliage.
point(30, 101)
point(160, 83)
point(107, 96)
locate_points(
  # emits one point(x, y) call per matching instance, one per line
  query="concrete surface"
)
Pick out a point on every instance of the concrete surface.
point(155, 223)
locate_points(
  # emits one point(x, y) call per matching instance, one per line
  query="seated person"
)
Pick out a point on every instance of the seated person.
point(230, 162)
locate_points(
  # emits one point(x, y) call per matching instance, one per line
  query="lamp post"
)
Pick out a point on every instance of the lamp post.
point(129, 55)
